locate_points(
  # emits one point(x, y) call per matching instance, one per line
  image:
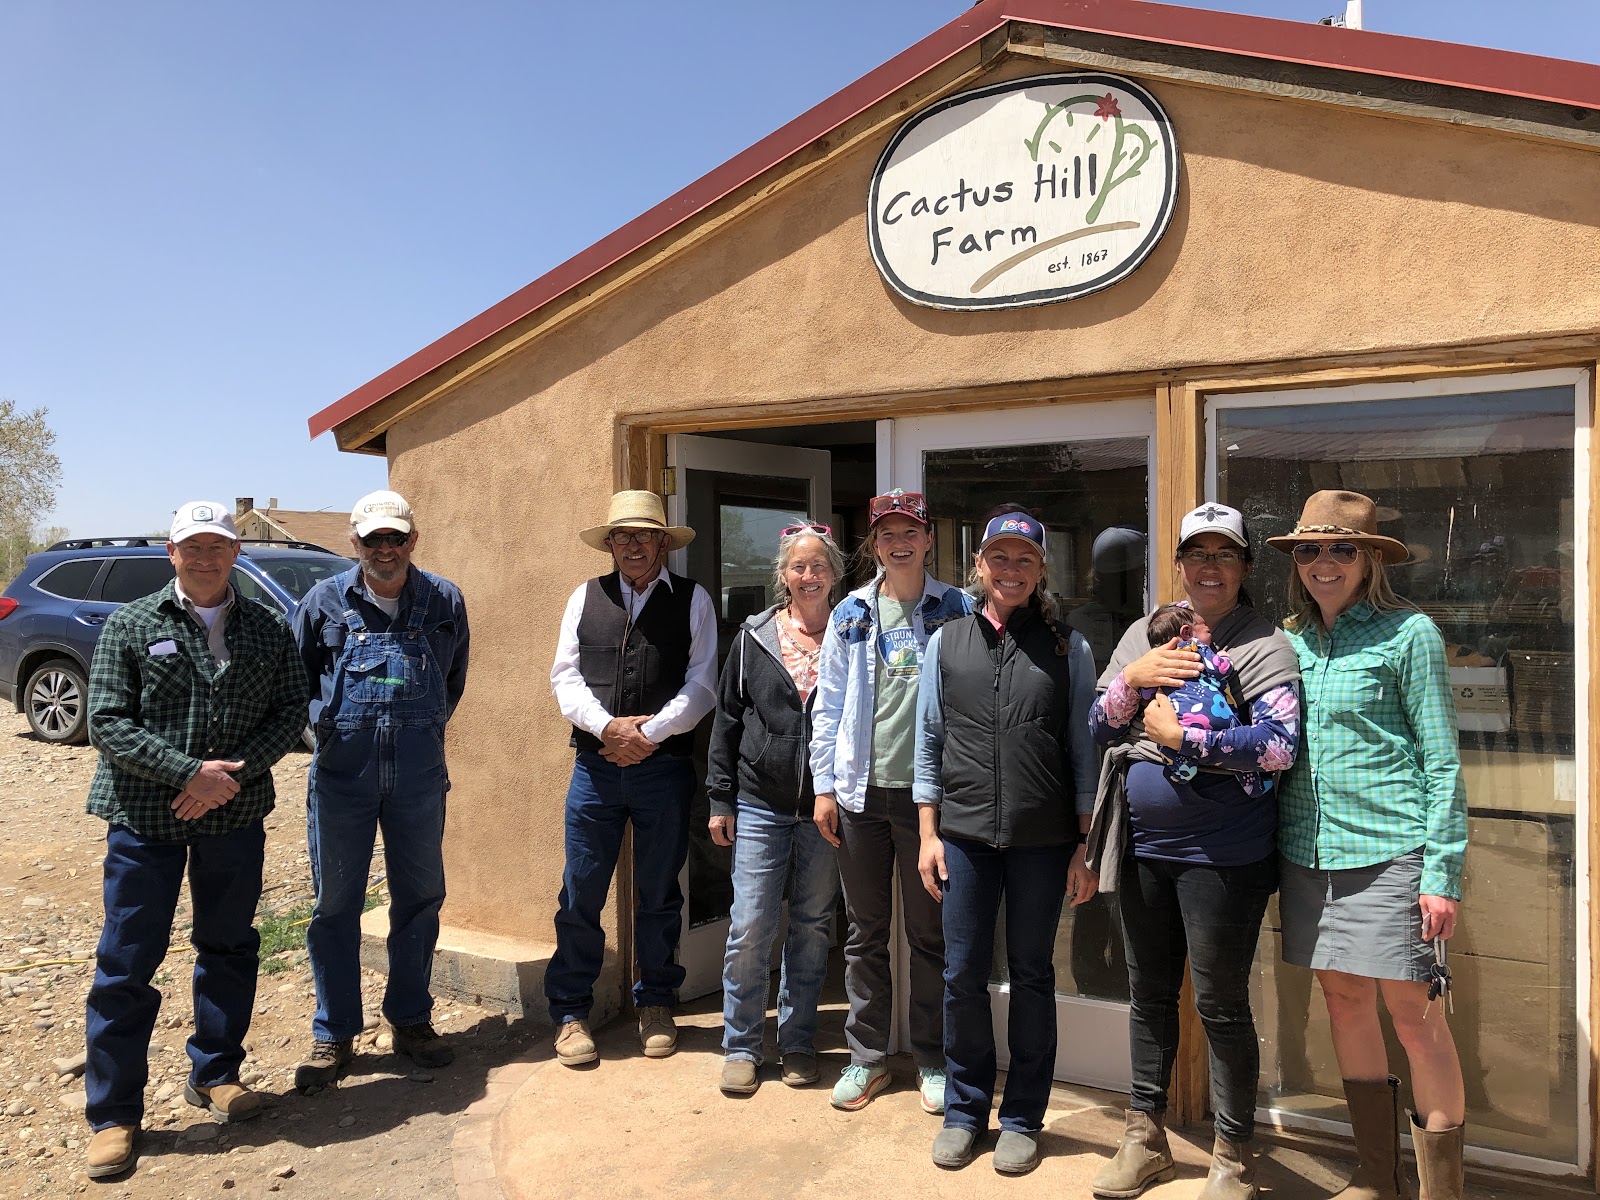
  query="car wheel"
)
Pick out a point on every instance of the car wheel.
point(308, 738)
point(56, 700)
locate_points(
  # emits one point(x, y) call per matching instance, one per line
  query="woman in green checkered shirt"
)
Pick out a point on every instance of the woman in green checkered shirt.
point(1372, 825)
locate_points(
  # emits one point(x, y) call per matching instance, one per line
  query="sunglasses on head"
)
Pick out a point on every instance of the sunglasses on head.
point(385, 538)
point(910, 504)
point(806, 527)
point(1343, 553)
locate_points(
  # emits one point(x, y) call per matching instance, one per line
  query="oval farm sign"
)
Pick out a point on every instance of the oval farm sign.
point(1027, 192)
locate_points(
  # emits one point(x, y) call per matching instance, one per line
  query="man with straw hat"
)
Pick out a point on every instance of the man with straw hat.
point(635, 672)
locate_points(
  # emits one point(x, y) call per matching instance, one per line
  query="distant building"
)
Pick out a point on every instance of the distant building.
point(328, 529)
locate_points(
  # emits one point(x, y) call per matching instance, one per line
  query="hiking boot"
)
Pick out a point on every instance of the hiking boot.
point(575, 1044)
point(1143, 1158)
point(110, 1151)
point(1016, 1153)
point(227, 1102)
point(1233, 1172)
point(326, 1064)
point(954, 1148)
point(930, 1082)
point(657, 1034)
point(800, 1069)
point(738, 1077)
point(422, 1045)
point(858, 1085)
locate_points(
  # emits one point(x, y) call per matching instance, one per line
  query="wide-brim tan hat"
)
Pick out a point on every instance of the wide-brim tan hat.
point(1341, 517)
point(636, 510)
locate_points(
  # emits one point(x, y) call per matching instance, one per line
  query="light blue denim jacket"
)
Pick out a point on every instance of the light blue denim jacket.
point(841, 715)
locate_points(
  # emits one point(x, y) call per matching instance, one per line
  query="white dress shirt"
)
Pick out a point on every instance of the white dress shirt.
point(683, 712)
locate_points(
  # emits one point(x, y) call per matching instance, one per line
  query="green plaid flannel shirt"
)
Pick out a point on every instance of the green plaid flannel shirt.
point(155, 718)
point(1379, 770)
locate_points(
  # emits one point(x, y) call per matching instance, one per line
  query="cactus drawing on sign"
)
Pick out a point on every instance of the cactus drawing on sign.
point(1126, 159)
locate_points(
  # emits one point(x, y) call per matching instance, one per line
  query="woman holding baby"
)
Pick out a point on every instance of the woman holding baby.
point(1184, 835)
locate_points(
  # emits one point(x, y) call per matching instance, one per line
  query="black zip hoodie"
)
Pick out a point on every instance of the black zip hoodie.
point(761, 737)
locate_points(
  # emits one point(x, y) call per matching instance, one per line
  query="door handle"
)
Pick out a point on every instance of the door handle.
point(93, 618)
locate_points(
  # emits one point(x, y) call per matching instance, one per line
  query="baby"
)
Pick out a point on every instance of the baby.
point(1202, 702)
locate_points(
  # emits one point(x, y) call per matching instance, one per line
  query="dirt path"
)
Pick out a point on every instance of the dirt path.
point(384, 1132)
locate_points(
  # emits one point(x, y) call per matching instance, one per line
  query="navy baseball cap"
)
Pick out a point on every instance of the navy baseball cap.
point(1013, 525)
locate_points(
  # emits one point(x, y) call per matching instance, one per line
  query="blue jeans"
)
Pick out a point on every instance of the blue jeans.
point(769, 851)
point(601, 800)
point(141, 885)
point(1033, 880)
point(391, 777)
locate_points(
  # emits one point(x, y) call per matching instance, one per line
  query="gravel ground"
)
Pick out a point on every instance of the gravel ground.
point(384, 1132)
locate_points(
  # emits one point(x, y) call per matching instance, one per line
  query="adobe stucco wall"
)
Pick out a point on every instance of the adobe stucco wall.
point(1299, 232)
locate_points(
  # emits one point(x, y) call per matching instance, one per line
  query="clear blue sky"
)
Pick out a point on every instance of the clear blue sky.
point(216, 219)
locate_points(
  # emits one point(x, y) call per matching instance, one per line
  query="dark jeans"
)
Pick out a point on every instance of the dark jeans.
point(1033, 880)
point(601, 800)
point(1211, 916)
point(141, 885)
point(877, 847)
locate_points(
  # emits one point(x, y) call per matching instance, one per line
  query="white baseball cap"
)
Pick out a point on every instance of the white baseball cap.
point(202, 516)
point(1214, 518)
point(381, 510)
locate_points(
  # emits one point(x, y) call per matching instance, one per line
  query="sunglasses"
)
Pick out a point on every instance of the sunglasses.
point(910, 504)
point(806, 527)
point(1343, 553)
point(385, 538)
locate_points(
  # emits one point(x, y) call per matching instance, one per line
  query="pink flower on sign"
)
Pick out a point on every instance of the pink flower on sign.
point(1107, 108)
point(1275, 756)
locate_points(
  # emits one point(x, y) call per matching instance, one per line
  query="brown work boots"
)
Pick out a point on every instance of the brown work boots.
point(1142, 1159)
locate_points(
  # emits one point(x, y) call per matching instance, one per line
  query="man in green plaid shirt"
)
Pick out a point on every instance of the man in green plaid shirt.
point(194, 694)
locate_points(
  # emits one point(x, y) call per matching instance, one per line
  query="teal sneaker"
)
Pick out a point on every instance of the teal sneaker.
point(930, 1082)
point(858, 1085)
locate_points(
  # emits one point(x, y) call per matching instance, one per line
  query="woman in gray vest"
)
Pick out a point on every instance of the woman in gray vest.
point(759, 782)
point(1005, 775)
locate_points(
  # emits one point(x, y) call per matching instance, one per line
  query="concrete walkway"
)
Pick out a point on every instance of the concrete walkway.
point(629, 1126)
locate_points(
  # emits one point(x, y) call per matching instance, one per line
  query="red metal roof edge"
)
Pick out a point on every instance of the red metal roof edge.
point(1552, 80)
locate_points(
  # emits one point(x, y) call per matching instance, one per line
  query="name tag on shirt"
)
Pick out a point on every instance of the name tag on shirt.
point(163, 648)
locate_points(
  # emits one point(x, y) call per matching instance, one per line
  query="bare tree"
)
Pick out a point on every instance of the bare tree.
point(29, 475)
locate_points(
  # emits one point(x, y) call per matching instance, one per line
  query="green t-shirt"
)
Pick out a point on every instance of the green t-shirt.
point(897, 664)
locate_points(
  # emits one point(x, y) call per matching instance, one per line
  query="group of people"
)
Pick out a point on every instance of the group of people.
point(937, 744)
point(908, 739)
point(194, 693)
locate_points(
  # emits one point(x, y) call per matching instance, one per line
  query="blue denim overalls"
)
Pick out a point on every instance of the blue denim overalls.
point(379, 763)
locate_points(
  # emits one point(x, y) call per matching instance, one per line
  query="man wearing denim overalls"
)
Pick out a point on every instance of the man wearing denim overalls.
point(385, 648)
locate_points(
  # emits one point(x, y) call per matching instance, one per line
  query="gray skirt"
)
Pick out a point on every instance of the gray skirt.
point(1362, 921)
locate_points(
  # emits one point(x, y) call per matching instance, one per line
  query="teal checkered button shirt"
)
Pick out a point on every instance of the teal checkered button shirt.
point(1379, 771)
point(159, 705)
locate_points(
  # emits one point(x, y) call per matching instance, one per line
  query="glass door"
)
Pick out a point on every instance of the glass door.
point(736, 496)
point(1086, 472)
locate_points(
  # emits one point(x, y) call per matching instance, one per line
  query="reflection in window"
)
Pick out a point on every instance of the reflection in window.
point(1092, 496)
point(1480, 487)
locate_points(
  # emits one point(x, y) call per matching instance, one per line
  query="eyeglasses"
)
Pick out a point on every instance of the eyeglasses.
point(1343, 553)
point(911, 504)
point(627, 537)
point(390, 538)
point(807, 527)
point(1199, 558)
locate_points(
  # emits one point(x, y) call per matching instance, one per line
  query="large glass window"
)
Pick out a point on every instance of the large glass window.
point(1480, 485)
point(131, 578)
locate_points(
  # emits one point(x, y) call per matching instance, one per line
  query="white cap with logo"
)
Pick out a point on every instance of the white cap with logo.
point(1214, 518)
point(202, 516)
point(381, 510)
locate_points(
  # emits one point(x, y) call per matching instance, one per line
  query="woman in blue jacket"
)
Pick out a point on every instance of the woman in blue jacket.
point(1005, 783)
point(759, 781)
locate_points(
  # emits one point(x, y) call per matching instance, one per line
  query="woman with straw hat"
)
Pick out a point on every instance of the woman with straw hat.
point(1372, 827)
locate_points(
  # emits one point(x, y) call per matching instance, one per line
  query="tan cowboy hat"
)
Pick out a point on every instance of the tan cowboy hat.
point(1341, 517)
point(636, 510)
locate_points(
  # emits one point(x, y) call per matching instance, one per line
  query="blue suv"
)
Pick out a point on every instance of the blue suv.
point(51, 614)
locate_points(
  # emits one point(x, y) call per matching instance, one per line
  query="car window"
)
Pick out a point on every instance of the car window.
point(70, 580)
point(130, 578)
point(251, 589)
point(297, 574)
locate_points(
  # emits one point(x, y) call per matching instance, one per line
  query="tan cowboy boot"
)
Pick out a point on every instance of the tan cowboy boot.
point(1143, 1158)
point(1375, 1118)
point(1439, 1160)
point(1233, 1171)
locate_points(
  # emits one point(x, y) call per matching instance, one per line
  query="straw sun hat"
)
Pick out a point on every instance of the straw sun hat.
point(1341, 517)
point(636, 510)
